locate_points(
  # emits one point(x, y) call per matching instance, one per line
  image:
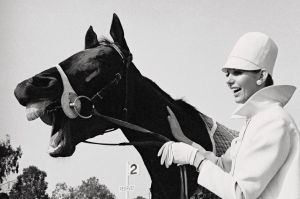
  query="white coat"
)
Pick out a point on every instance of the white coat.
point(264, 160)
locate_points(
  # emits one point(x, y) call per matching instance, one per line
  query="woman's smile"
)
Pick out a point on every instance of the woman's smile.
point(242, 84)
point(236, 91)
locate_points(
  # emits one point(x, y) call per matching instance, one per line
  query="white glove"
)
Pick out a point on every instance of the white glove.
point(177, 152)
point(166, 154)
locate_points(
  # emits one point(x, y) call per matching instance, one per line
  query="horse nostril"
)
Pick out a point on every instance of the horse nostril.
point(19, 94)
point(22, 91)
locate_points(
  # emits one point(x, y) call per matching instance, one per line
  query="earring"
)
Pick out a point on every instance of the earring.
point(258, 82)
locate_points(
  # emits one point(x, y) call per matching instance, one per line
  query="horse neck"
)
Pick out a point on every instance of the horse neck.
point(147, 108)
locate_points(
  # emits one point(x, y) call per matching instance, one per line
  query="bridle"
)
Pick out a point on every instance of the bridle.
point(72, 107)
point(71, 103)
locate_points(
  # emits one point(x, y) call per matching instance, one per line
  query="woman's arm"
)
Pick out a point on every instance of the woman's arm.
point(257, 163)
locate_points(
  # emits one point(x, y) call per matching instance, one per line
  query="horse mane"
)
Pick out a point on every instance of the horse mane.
point(191, 110)
point(183, 105)
point(105, 40)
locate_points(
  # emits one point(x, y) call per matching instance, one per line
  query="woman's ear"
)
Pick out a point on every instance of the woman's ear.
point(262, 77)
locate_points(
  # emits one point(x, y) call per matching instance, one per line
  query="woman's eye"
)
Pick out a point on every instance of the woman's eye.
point(237, 72)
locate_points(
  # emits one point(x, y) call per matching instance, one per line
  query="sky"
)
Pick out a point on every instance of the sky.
point(180, 45)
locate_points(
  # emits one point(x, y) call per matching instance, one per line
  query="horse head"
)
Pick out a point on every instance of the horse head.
point(87, 71)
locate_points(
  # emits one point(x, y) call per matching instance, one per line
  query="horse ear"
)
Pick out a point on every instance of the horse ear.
point(117, 33)
point(91, 40)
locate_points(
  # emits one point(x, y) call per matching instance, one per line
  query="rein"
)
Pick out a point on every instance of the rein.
point(72, 104)
point(131, 126)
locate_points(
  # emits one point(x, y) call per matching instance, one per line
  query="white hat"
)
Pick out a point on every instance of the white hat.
point(253, 51)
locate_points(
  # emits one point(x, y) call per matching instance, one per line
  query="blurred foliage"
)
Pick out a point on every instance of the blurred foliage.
point(30, 184)
point(89, 189)
point(8, 158)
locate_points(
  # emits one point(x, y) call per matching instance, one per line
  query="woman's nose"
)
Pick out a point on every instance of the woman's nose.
point(229, 79)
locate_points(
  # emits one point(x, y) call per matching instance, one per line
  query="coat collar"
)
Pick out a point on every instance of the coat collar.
point(264, 98)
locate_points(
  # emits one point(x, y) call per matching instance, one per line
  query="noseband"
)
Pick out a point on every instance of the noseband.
point(82, 106)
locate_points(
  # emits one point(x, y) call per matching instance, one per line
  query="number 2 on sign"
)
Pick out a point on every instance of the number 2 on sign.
point(133, 169)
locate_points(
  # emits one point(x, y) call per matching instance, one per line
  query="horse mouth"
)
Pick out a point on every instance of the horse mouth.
point(57, 143)
point(58, 146)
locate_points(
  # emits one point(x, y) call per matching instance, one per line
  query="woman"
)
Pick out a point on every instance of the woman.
point(264, 160)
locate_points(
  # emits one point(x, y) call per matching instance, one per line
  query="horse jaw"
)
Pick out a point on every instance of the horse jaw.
point(56, 142)
point(59, 145)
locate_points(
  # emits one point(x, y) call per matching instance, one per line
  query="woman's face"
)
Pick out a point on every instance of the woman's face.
point(242, 83)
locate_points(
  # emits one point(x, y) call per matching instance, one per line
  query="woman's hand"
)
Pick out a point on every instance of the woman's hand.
point(178, 133)
point(177, 152)
point(176, 129)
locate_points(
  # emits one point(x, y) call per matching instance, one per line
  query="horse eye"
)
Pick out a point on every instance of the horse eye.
point(102, 61)
point(99, 57)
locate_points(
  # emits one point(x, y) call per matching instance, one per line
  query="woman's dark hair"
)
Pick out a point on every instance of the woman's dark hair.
point(269, 81)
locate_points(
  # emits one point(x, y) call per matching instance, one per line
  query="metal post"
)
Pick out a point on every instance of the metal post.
point(127, 181)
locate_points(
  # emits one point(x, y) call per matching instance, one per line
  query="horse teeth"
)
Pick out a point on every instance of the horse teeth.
point(52, 149)
point(35, 110)
point(33, 113)
point(56, 138)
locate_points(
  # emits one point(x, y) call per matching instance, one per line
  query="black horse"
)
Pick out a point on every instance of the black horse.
point(125, 94)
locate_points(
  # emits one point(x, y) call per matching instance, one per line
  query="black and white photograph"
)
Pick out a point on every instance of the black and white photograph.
point(136, 99)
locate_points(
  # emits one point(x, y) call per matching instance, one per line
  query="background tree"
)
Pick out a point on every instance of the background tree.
point(89, 189)
point(61, 191)
point(30, 184)
point(8, 158)
point(92, 189)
